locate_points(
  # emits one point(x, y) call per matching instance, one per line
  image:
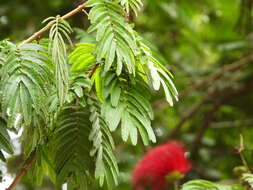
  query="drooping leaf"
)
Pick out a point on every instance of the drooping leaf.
point(59, 31)
point(26, 81)
point(72, 146)
point(128, 108)
point(116, 43)
point(103, 145)
point(156, 73)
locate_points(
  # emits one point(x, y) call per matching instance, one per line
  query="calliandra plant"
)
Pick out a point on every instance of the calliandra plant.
point(162, 165)
point(70, 98)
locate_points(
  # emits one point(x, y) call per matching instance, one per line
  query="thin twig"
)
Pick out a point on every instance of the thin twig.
point(240, 151)
point(214, 76)
point(208, 117)
point(176, 185)
point(22, 172)
point(93, 70)
point(189, 114)
point(226, 96)
point(39, 33)
point(211, 78)
point(229, 124)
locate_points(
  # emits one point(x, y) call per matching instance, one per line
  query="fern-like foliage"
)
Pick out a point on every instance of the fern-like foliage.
point(248, 178)
point(128, 105)
point(5, 143)
point(79, 85)
point(26, 80)
point(134, 5)
point(43, 165)
point(3, 52)
point(103, 145)
point(82, 58)
point(124, 102)
point(59, 31)
point(156, 73)
point(70, 103)
point(207, 185)
point(116, 43)
point(72, 146)
point(83, 147)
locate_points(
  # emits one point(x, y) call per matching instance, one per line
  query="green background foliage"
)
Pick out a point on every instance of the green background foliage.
point(197, 41)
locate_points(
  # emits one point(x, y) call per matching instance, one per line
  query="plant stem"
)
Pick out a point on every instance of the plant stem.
point(240, 150)
point(219, 73)
point(39, 33)
point(22, 172)
point(244, 162)
point(176, 185)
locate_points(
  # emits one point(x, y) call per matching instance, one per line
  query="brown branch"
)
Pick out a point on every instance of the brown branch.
point(39, 33)
point(208, 117)
point(93, 70)
point(226, 96)
point(22, 172)
point(186, 117)
point(211, 78)
point(229, 124)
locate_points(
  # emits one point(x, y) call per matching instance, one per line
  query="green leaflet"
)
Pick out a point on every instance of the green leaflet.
point(205, 185)
point(72, 135)
point(128, 128)
point(103, 145)
point(72, 146)
point(115, 95)
point(92, 3)
point(79, 85)
point(26, 81)
point(128, 108)
point(248, 178)
point(5, 143)
point(42, 166)
point(60, 30)
point(98, 84)
point(112, 114)
point(134, 5)
point(116, 43)
point(156, 73)
point(82, 58)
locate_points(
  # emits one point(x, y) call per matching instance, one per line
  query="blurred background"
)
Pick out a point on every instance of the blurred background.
point(207, 44)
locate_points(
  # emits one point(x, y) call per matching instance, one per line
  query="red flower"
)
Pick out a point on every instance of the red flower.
point(152, 169)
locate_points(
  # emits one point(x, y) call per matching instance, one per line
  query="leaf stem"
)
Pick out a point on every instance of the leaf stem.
point(176, 185)
point(39, 33)
point(240, 151)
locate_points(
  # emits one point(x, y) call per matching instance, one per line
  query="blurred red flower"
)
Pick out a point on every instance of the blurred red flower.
point(154, 168)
